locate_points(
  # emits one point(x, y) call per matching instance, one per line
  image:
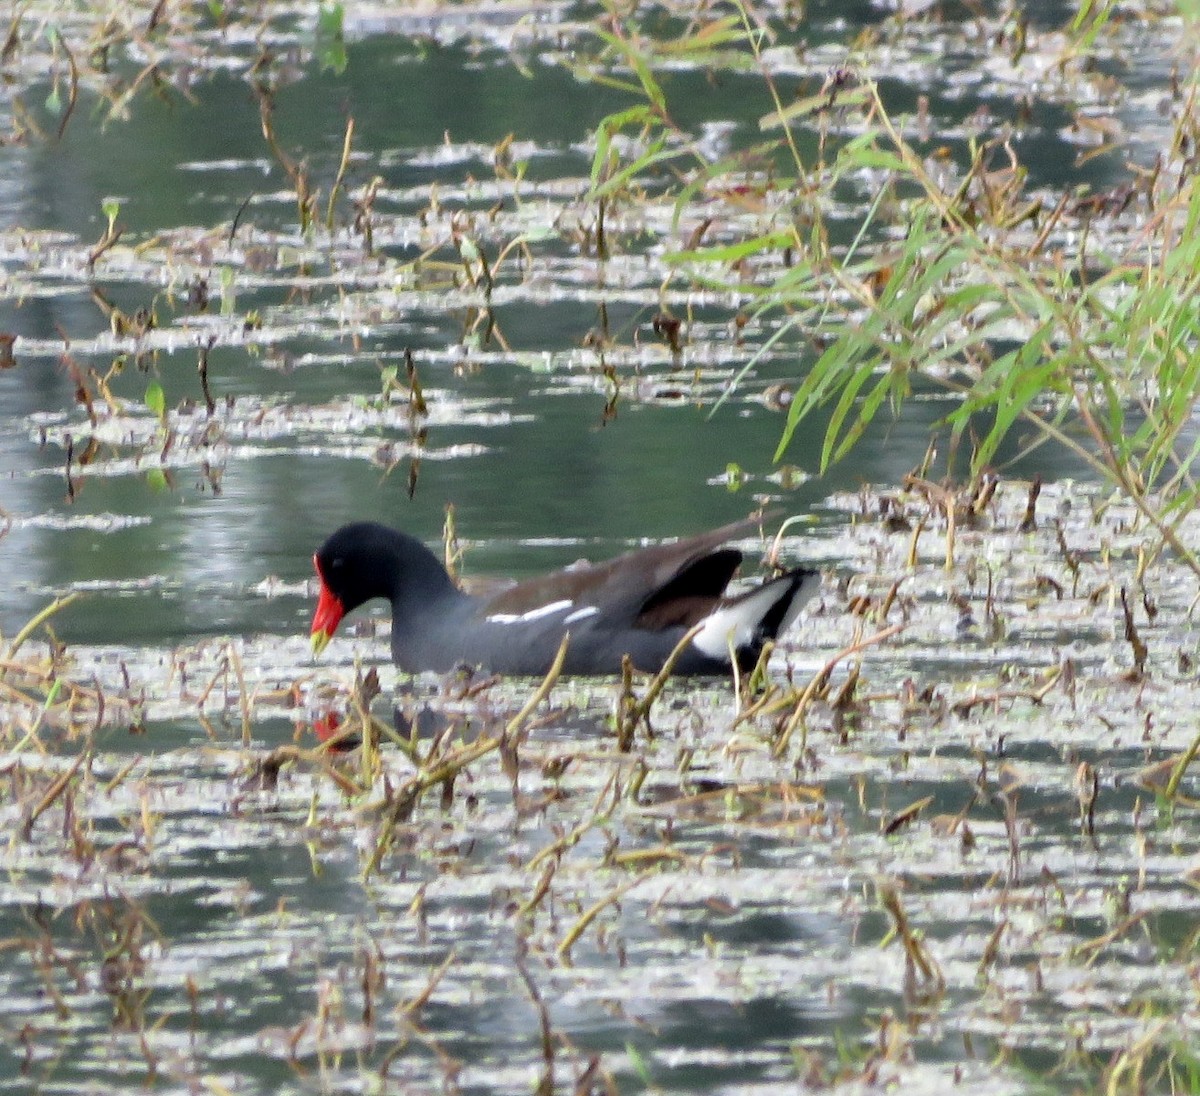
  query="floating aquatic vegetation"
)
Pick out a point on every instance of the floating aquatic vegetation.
point(943, 837)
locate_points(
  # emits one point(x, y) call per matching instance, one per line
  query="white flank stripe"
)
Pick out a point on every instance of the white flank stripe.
point(533, 614)
point(582, 614)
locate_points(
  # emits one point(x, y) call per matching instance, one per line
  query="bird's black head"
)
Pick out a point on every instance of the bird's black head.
point(365, 560)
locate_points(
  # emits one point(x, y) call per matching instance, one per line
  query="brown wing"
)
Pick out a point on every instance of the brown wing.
point(660, 585)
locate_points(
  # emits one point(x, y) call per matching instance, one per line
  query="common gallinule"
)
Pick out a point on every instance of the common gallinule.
point(639, 604)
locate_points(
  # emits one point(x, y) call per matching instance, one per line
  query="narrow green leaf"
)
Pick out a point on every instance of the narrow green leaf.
point(731, 253)
point(156, 399)
point(605, 131)
point(815, 104)
point(831, 448)
point(655, 156)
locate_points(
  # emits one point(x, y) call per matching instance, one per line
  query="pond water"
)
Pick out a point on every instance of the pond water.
point(957, 872)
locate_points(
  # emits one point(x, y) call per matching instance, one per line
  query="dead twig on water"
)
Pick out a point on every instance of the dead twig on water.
point(37, 621)
point(818, 679)
point(590, 914)
point(631, 711)
point(54, 791)
point(444, 769)
point(916, 954)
